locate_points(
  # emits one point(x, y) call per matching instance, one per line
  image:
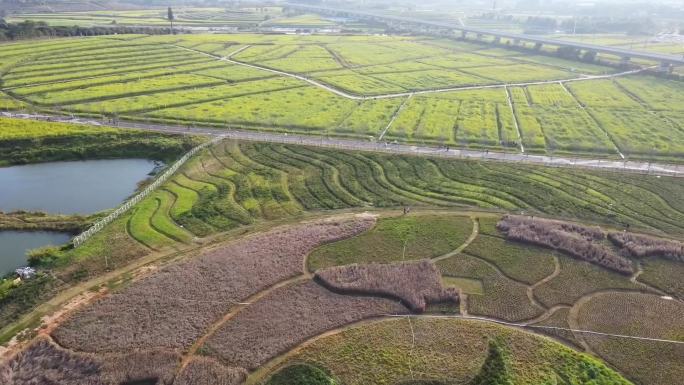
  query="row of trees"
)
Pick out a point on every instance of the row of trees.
point(32, 29)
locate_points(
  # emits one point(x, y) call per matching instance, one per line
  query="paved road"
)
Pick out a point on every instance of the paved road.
point(394, 148)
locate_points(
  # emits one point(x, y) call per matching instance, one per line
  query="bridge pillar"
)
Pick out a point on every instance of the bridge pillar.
point(479, 36)
point(666, 67)
point(464, 34)
point(538, 46)
point(516, 42)
point(497, 40)
point(624, 61)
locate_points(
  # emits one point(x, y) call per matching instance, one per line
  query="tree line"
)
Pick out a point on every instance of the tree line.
point(36, 29)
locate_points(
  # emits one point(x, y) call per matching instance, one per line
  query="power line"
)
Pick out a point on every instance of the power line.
point(526, 326)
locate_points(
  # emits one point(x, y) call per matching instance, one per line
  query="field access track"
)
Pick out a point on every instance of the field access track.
point(394, 148)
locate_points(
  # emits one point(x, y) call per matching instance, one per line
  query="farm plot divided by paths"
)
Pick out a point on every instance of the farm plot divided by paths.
point(268, 310)
point(411, 89)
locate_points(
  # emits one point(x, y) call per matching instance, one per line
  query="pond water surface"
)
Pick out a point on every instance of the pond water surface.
point(81, 187)
point(15, 244)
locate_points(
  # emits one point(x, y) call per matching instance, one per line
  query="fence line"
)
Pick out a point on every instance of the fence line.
point(99, 225)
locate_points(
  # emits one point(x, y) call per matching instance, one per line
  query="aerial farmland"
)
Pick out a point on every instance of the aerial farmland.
point(339, 193)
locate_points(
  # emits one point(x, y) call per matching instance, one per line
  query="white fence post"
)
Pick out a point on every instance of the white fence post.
point(99, 225)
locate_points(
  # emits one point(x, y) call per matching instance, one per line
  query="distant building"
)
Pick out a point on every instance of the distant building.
point(25, 272)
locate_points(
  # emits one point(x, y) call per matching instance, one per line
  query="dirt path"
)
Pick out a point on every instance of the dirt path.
point(524, 326)
point(530, 289)
point(635, 280)
point(471, 238)
point(546, 315)
point(462, 302)
point(394, 117)
point(347, 95)
point(192, 351)
point(515, 118)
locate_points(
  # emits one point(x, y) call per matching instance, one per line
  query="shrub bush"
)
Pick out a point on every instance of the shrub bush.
point(414, 283)
point(639, 245)
point(301, 374)
point(578, 241)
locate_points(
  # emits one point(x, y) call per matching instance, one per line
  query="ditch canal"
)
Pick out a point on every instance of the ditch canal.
point(74, 187)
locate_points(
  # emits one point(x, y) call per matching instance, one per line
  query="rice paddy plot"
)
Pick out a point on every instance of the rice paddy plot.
point(154, 77)
point(517, 73)
point(298, 108)
point(657, 94)
point(307, 58)
point(358, 84)
point(426, 119)
point(370, 117)
point(184, 98)
point(125, 89)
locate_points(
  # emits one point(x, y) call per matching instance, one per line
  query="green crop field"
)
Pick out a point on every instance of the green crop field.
point(184, 17)
point(181, 79)
point(268, 180)
point(25, 141)
point(235, 184)
point(235, 188)
point(400, 238)
point(517, 282)
point(444, 351)
point(332, 236)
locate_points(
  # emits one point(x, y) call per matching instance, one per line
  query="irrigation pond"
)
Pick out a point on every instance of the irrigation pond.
point(15, 244)
point(81, 187)
point(74, 187)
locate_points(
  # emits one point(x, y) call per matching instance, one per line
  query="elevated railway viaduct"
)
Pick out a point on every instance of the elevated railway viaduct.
point(666, 61)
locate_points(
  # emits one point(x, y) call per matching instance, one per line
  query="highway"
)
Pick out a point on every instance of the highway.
point(656, 169)
point(621, 52)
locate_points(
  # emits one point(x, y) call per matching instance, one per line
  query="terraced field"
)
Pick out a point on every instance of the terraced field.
point(331, 85)
point(263, 263)
point(232, 185)
point(236, 183)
